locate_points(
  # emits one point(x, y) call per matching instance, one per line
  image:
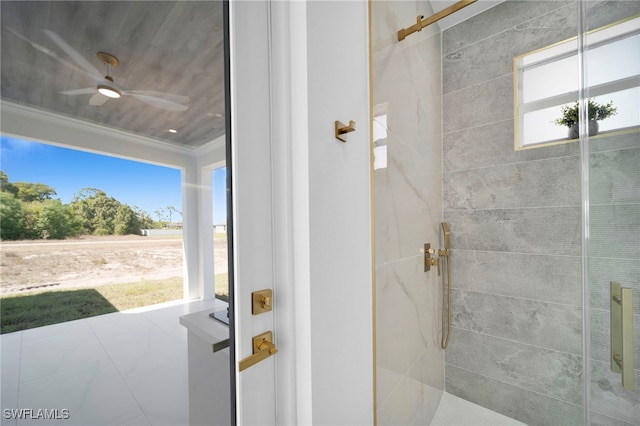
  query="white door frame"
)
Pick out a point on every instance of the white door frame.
point(266, 27)
point(302, 65)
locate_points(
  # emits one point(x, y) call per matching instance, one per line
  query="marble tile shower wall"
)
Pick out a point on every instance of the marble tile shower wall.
point(515, 217)
point(614, 191)
point(408, 210)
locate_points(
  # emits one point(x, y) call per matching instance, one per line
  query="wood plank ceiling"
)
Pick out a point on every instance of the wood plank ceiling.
point(164, 46)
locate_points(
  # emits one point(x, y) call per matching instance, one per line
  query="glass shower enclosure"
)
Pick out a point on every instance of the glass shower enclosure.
point(469, 128)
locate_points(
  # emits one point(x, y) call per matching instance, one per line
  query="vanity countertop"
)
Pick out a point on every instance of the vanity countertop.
point(207, 328)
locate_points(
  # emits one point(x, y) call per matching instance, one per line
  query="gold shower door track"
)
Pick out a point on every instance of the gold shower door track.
point(421, 23)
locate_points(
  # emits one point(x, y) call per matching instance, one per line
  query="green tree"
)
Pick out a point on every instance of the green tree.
point(29, 192)
point(144, 218)
point(95, 210)
point(56, 221)
point(5, 185)
point(172, 210)
point(100, 214)
point(126, 222)
point(31, 214)
point(11, 217)
point(165, 214)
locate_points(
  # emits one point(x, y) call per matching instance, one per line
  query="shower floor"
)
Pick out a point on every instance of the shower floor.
point(454, 411)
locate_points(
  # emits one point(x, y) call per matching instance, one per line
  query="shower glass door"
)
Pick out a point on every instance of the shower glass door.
point(611, 164)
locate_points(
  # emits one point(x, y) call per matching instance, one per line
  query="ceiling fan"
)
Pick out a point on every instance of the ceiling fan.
point(105, 87)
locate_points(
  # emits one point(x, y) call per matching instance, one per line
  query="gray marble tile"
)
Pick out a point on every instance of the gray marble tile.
point(545, 183)
point(598, 419)
point(614, 177)
point(615, 229)
point(492, 102)
point(536, 369)
point(605, 12)
point(603, 270)
point(614, 142)
point(537, 277)
point(492, 144)
point(493, 56)
point(534, 230)
point(548, 325)
point(498, 19)
point(610, 398)
point(521, 404)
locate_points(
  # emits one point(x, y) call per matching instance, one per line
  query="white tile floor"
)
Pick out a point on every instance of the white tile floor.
point(129, 368)
point(454, 411)
point(125, 368)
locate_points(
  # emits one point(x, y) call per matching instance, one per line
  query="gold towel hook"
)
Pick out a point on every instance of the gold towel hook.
point(341, 129)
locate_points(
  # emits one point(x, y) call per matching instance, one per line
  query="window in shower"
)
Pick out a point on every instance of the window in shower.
point(547, 79)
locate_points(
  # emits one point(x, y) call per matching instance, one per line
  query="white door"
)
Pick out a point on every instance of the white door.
point(298, 66)
point(252, 207)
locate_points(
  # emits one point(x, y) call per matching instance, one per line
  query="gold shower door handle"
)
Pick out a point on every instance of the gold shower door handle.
point(622, 333)
point(263, 348)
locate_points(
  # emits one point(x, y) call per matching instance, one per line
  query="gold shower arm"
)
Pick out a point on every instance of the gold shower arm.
point(421, 23)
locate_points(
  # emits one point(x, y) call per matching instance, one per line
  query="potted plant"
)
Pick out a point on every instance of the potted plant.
point(595, 112)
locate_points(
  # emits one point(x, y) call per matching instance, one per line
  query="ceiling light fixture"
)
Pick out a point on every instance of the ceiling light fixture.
point(172, 131)
point(107, 89)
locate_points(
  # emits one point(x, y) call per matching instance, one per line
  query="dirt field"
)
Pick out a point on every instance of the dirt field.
point(93, 261)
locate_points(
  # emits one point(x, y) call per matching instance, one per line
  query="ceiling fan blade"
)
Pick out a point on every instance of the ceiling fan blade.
point(167, 96)
point(158, 102)
point(49, 52)
point(75, 55)
point(85, 91)
point(98, 99)
point(32, 43)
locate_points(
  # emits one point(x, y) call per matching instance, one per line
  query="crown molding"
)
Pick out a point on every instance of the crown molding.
point(43, 126)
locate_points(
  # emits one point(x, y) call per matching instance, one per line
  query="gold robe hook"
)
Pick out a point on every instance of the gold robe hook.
point(341, 129)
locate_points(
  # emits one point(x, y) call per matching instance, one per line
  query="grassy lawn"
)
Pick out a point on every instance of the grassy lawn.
point(25, 311)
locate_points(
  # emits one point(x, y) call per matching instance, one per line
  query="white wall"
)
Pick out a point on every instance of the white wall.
point(321, 194)
point(338, 180)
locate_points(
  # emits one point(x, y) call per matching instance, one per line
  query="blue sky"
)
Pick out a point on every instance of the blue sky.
point(146, 186)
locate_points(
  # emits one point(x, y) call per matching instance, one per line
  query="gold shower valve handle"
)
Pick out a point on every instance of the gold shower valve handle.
point(428, 260)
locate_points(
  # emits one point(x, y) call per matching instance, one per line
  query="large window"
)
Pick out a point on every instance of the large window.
point(220, 254)
point(547, 80)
